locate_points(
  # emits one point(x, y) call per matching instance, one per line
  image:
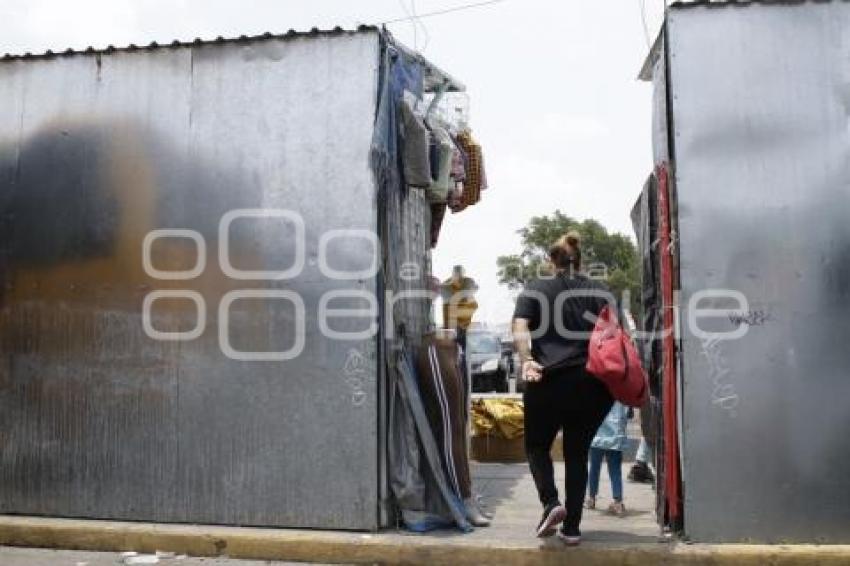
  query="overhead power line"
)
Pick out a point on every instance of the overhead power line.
point(446, 11)
point(416, 23)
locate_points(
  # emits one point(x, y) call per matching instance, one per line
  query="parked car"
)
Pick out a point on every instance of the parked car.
point(488, 365)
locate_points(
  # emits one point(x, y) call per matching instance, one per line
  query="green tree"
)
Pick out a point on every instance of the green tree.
point(612, 257)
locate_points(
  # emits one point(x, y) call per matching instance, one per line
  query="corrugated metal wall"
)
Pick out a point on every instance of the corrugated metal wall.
point(761, 103)
point(99, 419)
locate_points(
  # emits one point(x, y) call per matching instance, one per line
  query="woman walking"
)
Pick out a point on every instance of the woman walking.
point(556, 314)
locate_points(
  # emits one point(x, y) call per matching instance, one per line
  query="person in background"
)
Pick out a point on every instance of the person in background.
point(560, 394)
point(459, 304)
point(608, 445)
point(641, 472)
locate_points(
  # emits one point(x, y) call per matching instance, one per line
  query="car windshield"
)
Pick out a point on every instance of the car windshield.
point(483, 344)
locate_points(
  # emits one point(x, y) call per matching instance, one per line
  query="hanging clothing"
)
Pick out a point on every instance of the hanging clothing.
point(433, 152)
point(473, 182)
point(438, 214)
point(415, 140)
point(438, 191)
point(441, 386)
point(455, 198)
point(458, 164)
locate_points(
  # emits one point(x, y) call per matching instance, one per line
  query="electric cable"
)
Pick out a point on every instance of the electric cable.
point(442, 12)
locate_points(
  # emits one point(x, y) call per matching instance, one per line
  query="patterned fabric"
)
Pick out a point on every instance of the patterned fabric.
point(474, 168)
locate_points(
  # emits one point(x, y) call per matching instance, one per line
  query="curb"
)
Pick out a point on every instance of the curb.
point(384, 548)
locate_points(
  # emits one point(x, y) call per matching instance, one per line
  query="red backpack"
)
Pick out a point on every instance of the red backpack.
point(614, 360)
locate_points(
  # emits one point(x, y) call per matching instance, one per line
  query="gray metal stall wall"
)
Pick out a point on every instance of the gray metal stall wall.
point(167, 228)
point(761, 101)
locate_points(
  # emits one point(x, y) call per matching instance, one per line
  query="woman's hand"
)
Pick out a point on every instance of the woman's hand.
point(532, 371)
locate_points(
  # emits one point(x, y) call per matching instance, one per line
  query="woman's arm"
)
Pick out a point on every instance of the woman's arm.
point(531, 370)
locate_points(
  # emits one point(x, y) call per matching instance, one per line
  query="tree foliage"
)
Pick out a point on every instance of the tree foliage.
point(612, 257)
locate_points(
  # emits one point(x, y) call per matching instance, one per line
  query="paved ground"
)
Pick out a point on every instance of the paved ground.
point(506, 488)
point(37, 557)
point(508, 491)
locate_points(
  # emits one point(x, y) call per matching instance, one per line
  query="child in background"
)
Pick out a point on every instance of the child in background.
point(608, 444)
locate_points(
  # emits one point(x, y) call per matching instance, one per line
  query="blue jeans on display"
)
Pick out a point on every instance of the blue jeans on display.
point(615, 471)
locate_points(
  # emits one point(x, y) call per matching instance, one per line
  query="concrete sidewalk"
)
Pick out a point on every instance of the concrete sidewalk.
point(11, 556)
point(506, 489)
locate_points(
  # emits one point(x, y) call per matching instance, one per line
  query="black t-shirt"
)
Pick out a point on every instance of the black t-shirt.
point(559, 339)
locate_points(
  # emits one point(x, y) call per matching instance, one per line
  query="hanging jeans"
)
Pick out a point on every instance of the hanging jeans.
point(574, 402)
point(614, 458)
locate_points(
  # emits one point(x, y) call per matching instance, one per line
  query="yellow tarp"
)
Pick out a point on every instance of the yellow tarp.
point(497, 417)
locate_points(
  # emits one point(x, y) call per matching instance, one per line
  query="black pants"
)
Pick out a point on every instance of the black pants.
point(576, 403)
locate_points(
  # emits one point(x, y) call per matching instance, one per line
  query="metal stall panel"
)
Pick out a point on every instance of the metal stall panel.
point(761, 101)
point(103, 416)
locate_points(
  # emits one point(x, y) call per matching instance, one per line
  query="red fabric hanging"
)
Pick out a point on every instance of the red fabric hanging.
point(669, 383)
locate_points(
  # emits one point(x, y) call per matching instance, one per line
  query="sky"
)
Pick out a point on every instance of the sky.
point(554, 98)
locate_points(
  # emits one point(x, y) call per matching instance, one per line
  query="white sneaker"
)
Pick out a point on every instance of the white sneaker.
point(552, 517)
point(571, 539)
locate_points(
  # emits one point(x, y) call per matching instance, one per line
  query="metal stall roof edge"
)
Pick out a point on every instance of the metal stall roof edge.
point(109, 49)
point(646, 69)
point(645, 73)
point(436, 74)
